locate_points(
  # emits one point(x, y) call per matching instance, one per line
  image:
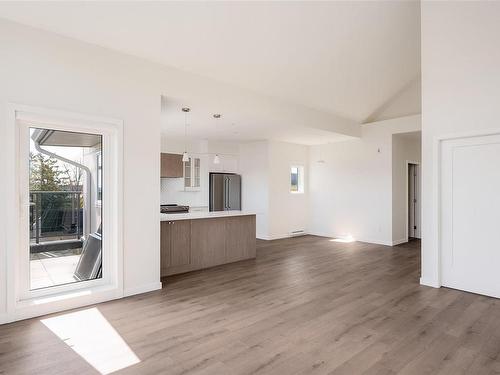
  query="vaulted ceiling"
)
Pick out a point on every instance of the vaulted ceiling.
point(351, 59)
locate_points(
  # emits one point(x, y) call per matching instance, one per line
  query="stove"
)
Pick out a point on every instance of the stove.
point(173, 209)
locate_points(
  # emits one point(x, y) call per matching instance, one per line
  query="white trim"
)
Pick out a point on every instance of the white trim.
point(436, 193)
point(21, 303)
point(431, 283)
point(408, 162)
point(142, 289)
point(61, 302)
point(399, 242)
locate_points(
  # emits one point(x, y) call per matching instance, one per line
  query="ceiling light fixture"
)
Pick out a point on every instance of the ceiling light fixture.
point(185, 156)
point(217, 116)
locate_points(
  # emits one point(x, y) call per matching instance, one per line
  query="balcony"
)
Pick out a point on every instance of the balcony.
point(56, 237)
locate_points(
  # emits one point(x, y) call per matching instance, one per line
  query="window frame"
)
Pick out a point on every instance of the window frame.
point(300, 179)
point(21, 301)
point(99, 169)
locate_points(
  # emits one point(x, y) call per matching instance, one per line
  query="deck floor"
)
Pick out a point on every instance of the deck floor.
point(52, 268)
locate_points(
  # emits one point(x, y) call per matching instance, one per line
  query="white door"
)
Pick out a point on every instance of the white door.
point(470, 214)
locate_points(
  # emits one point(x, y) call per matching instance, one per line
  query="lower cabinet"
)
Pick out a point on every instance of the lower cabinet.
point(208, 242)
point(175, 244)
point(240, 238)
point(188, 245)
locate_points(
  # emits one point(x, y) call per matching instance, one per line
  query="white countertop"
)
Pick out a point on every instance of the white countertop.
point(203, 215)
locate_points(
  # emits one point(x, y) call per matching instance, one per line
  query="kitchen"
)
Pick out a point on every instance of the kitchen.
point(202, 221)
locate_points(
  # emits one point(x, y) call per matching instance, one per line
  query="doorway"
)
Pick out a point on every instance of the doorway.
point(65, 250)
point(413, 201)
point(65, 207)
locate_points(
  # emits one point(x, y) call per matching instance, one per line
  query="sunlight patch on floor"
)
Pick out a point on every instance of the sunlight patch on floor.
point(344, 239)
point(92, 337)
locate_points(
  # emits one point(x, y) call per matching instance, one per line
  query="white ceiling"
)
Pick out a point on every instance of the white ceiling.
point(343, 58)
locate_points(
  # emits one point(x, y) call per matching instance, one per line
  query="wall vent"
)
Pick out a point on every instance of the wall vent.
point(300, 232)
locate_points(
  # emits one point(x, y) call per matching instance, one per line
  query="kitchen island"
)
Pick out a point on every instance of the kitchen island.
point(201, 239)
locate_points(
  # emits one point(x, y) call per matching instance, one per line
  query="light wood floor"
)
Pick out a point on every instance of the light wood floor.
point(306, 305)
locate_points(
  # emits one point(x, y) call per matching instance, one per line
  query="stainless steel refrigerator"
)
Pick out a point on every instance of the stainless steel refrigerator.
point(225, 192)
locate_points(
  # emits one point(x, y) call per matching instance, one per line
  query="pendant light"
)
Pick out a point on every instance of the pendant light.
point(216, 157)
point(185, 156)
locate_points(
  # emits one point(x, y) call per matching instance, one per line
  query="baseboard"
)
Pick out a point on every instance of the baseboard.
point(398, 242)
point(4, 318)
point(431, 283)
point(142, 289)
point(376, 242)
point(280, 237)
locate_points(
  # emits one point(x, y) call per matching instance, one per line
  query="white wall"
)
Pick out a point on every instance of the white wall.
point(288, 212)
point(265, 169)
point(44, 70)
point(351, 193)
point(404, 148)
point(254, 167)
point(41, 69)
point(460, 91)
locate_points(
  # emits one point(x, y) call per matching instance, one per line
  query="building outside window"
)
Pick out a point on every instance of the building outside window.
point(296, 179)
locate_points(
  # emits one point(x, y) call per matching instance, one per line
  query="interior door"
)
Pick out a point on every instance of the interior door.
point(470, 214)
point(411, 200)
point(414, 200)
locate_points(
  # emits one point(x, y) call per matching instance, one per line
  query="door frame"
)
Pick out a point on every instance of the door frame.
point(19, 304)
point(435, 240)
point(407, 191)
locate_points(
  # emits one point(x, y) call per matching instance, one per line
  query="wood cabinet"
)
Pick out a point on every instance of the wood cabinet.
point(175, 244)
point(171, 165)
point(208, 243)
point(240, 238)
point(188, 245)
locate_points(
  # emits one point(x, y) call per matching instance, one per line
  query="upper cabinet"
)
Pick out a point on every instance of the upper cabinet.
point(171, 165)
point(192, 174)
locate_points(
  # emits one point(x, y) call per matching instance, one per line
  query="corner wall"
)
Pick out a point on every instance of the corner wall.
point(46, 70)
point(288, 212)
point(460, 92)
point(351, 192)
point(265, 168)
point(254, 167)
point(404, 149)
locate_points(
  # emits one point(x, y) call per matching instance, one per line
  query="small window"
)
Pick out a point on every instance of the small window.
point(296, 179)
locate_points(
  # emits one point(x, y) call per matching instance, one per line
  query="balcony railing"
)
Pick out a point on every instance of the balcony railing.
point(55, 216)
